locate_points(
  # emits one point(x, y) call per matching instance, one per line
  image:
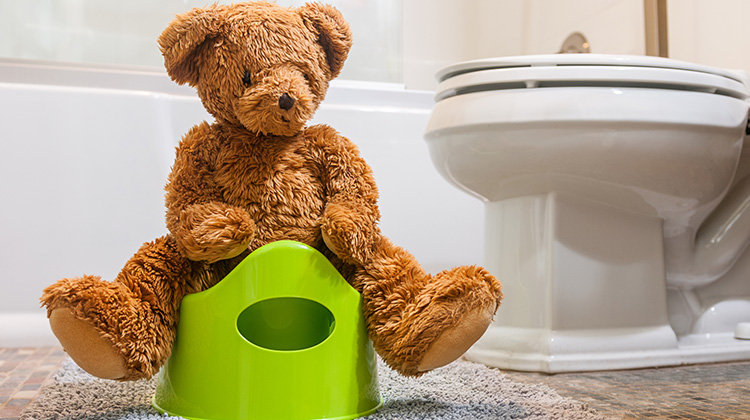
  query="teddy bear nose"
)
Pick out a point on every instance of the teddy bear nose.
point(286, 102)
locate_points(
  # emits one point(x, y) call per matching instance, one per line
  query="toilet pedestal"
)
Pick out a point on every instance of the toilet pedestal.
point(585, 287)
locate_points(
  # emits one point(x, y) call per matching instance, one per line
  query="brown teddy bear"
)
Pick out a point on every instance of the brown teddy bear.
point(258, 175)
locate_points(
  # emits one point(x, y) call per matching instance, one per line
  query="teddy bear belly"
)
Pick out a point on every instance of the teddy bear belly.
point(284, 201)
point(291, 214)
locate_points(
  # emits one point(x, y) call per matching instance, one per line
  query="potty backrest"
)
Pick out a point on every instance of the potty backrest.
point(281, 336)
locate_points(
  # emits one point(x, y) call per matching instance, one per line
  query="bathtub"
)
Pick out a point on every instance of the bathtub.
point(86, 153)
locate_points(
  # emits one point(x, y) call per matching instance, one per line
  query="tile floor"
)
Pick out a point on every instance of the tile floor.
point(710, 391)
point(22, 374)
point(717, 391)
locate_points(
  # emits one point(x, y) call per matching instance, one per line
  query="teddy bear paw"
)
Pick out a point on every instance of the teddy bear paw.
point(349, 231)
point(213, 231)
point(93, 352)
point(454, 341)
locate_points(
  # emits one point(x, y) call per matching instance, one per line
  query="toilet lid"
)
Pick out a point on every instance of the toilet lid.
point(588, 70)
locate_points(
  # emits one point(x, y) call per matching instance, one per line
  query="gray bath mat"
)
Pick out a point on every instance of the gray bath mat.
point(461, 390)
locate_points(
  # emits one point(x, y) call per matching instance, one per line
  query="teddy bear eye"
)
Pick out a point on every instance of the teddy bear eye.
point(247, 78)
point(306, 76)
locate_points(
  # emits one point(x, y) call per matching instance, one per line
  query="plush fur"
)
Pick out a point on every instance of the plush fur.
point(258, 175)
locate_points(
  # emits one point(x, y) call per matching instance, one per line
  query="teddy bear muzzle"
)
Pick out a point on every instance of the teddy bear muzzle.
point(278, 104)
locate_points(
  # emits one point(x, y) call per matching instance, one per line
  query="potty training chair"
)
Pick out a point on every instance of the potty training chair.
point(281, 337)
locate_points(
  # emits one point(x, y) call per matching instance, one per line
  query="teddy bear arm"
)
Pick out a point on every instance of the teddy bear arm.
point(190, 181)
point(203, 225)
point(349, 225)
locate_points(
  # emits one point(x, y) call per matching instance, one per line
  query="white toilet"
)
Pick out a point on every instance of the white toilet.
point(616, 192)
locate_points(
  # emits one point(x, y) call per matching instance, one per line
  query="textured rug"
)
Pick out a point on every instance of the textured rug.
point(461, 390)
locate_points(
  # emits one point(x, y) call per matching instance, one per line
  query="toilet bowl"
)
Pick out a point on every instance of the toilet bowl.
point(616, 193)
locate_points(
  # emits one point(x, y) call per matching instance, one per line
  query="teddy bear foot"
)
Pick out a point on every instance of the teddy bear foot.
point(90, 350)
point(454, 342)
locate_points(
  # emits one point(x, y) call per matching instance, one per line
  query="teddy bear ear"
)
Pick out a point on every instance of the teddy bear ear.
point(333, 33)
point(180, 41)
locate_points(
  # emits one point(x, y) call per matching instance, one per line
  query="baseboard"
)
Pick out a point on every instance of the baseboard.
point(25, 329)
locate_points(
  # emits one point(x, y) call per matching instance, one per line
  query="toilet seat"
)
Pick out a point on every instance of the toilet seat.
point(583, 89)
point(587, 70)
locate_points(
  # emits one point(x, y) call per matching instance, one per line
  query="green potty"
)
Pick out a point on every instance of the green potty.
point(281, 337)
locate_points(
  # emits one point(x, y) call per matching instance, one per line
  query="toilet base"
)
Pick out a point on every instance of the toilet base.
point(586, 290)
point(600, 350)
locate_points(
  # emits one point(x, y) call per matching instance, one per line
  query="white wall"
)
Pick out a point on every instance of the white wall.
point(714, 33)
point(437, 33)
point(611, 26)
point(433, 36)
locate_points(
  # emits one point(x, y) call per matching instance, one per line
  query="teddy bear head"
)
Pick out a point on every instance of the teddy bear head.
point(258, 65)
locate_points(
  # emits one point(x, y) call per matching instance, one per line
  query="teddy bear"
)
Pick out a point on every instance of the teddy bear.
point(256, 175)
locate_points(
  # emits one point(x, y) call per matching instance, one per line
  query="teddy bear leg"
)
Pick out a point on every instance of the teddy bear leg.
point(123, 329)
point(419, 322)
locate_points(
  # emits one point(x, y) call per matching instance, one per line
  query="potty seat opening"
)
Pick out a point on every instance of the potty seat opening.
point(286, 323)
